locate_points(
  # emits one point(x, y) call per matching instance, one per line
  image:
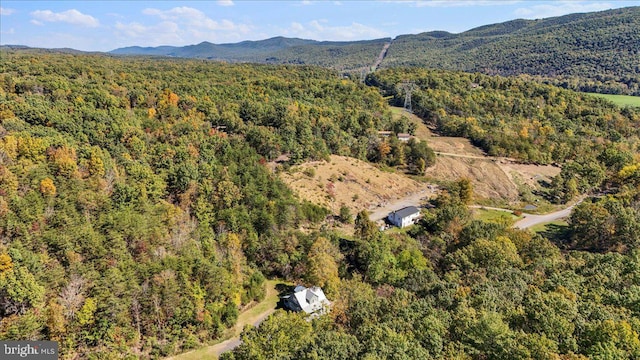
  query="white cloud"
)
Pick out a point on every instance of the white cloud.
point(175, 13)
point(163, 33)
point(6, 11)
point(320, 30)
point(36, 22)
point(194, 19)
point(180, 26)
point(456, 3)
point(225, 2)
point(306, 2)
point(560, 8)
point(72, 16)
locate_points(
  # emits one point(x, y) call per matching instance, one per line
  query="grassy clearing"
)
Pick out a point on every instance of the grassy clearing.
point(494, 215)
point(621, 100)
point(397, 230)
point(545, 227)
point(253, 314)
point(556, 231)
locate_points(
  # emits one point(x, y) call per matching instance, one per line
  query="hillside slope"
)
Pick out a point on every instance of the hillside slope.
point(593, 52)
point(602, 47)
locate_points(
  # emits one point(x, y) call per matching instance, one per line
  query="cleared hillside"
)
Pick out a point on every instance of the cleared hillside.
point(347, 181)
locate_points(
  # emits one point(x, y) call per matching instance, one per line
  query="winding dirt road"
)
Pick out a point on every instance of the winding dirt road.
point(477, 157)
point(267, 307)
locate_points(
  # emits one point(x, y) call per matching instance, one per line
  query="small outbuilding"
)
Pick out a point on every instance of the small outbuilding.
point(310, 300)
point(404, 217)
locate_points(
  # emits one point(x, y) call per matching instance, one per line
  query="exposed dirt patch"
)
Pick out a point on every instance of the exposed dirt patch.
point(489, 181)
point(445, 144)
point(531, 175)
point(360, 185)
point(344, 180)
point(492, 178)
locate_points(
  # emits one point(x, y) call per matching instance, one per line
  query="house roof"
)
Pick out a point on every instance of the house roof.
point(407, 211)
point(309, 300)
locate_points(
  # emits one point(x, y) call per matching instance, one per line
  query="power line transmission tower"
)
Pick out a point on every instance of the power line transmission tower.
point(408, 87)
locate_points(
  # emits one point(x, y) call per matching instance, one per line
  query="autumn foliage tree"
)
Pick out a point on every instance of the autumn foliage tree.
point(323, 258)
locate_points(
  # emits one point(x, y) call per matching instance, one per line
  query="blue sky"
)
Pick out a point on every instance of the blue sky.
point(106, 25)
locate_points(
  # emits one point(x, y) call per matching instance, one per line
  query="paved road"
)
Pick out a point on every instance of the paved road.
point(530, 220)
point(527, 221)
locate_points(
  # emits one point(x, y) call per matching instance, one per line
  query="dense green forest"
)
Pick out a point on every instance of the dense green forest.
point(593, 52)
point(139, 215)
point(521, 118)
point(137, 211)
point(457, 288)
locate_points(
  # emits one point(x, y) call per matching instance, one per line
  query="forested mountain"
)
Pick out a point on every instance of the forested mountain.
point(244, 50)
point(593, 52)
point(596, 52)
point(138, 214)
point(348, 55)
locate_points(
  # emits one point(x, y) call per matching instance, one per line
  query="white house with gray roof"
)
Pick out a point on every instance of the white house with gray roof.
point(310, 300)
point(404, 217)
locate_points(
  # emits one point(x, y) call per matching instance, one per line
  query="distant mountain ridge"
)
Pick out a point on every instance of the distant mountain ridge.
point(602, 47)
point(595, 52)
point(274, 50)
point(234, 51)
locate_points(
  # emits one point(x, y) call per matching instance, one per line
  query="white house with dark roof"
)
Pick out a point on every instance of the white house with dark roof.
point(404, 217)
point(310, 300)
